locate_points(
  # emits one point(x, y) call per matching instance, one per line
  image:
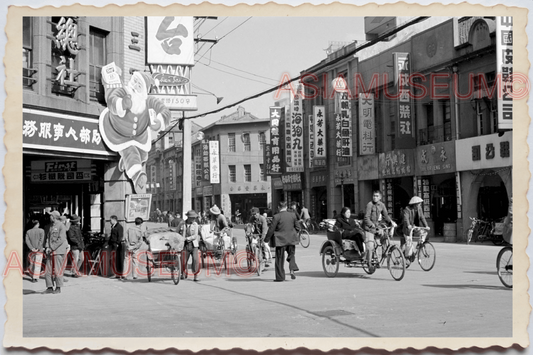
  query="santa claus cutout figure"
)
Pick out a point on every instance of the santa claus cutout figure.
point(126, 124)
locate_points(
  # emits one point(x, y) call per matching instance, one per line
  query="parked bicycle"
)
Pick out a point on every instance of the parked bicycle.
point(504, 266)
point(423, 251)
point(481, 230)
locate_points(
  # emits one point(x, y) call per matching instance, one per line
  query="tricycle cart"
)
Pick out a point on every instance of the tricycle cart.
point(218, 245)
point(164, 246)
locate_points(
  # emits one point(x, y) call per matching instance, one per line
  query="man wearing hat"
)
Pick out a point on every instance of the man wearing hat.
point(411, 216)
point(75, 239)
point(219, 223)
point(55, 249)
point(284, 232)
point(190, 230)
point(127, 122)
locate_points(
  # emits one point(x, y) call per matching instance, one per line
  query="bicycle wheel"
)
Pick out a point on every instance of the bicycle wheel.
point(468, 235)
point(396, 263)
point(304, 238)
point(426, 256)
point(504, 265)
point(330, 262)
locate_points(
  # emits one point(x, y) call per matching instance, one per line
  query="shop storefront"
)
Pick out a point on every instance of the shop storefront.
point(485, 166)
point(318, 195)
point(293, 187)
point(396, 172)
point(436, 184)
point(367, 170)
point(345, 180)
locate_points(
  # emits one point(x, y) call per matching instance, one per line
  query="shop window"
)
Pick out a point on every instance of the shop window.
point(27, 53)
point(247, 173)
point(231, 142)
point(232, 173)
point(97, 59)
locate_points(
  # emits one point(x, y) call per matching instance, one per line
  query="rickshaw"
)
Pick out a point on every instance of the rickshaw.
point(164, 246)
point(336, 251)
point(218, 245)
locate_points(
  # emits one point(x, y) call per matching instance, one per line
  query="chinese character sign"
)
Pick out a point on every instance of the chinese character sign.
point(287, 139)
point(343, 126)
point(275, 144)
point(170, 40)
point(401, 78)
point(367, 143)
point(294, 142)
point(504, 64)
point(214, 162)
point(65, 49)
point(320, 136)
point(206, 176)
point(311, 140)
point(267, 159)
point(126, 124)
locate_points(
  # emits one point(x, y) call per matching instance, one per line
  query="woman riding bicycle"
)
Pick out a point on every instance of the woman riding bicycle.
point(410, 215)
point(350, 228)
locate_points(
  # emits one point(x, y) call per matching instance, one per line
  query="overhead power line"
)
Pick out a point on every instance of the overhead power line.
point(240, 76)
point(280, 86)
point(242, 71)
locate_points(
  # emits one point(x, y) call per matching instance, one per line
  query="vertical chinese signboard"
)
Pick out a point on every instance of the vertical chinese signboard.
point(367, 143)
point(405, 137)
point(64, 50)
point(504, 64)
point(343, 127)
point(205, 161)
point(267, 159)
point(311, 140)
point(275, 146)
point(287, 139)
point(214, 163)
point(320, 136)
point(424, 193)
point(294, 138)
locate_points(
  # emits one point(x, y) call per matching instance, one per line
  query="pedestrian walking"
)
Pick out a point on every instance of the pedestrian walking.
point(190, 230)
point(55, 248)
point(75, 240)
point(283, 233)
point(170, 218)
point(115, 241)
point(134, 245)
point(34, 242)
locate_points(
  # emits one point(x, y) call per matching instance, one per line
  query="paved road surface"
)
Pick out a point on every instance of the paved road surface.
point(461, 297)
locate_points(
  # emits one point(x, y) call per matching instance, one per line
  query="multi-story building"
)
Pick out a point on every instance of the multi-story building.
point(241, 137)
point(446, 148)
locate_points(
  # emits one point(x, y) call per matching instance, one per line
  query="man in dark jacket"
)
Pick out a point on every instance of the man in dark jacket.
point(116, 238)
point(284, 233)
point(75, 239)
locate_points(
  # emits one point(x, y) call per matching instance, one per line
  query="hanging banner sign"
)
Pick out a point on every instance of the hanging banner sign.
point(276, 161)
point(197, 170)
point(267, 159)
point(367, 143)
point(214, 162)
point(402, 70)
point(296, 143)
point(320, 136)
point(286, 124)
point(343, 126)
point(311, 140)
point(504, 67)
point(170, 40)
point(206, 176)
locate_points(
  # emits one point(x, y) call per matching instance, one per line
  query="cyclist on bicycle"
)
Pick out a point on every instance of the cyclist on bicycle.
point(375, 212)
point(305, 216)
point(410, 216)
point(260, 227)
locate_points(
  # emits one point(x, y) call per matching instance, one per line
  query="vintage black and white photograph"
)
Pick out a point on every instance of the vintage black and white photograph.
point(190, 176)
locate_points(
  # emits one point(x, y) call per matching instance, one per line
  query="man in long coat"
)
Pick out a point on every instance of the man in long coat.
point(55, 248)
point(284, 231)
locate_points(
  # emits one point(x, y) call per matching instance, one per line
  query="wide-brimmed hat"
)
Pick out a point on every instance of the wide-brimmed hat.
point(55, 214)
point(214, 210)
point(192, 214)
point(74, 218)
point(415, 199)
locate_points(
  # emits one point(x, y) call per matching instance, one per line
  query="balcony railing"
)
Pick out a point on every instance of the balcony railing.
point(435, 134)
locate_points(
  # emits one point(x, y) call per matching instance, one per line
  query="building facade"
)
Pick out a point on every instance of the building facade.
point(441, 142)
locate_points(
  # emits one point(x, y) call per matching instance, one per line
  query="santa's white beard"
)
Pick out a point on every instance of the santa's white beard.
point(138, 101)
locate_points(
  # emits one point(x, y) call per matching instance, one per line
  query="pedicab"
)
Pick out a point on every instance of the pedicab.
point(219, 245)
point(336, 251)
point(165, 247)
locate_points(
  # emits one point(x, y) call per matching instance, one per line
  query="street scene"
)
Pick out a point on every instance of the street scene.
point(182, 179)
point(353, 304)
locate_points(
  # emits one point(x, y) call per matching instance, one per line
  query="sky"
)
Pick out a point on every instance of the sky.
point(253, 54)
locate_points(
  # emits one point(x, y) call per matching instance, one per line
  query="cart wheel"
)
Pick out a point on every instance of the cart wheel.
point(149, 271)
point(330, 262)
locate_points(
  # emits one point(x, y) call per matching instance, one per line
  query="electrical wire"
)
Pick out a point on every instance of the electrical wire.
point(240, 76)
point(280, 86)
point(218, 24)
point(243, 71)
point(248, 19)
